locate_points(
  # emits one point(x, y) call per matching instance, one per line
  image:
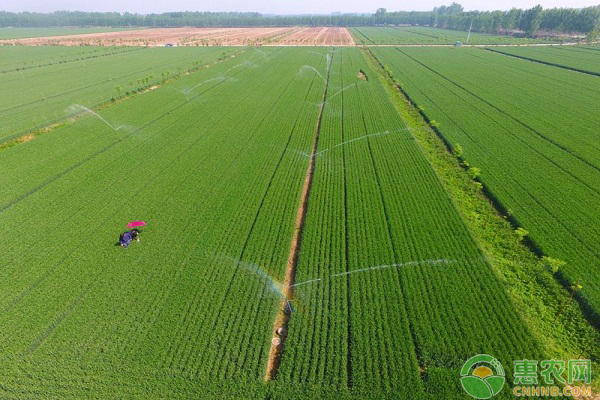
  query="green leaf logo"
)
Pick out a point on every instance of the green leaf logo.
point(479, 380)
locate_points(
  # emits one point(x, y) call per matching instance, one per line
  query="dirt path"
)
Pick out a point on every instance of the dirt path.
point(192, 36)
point(285, 312)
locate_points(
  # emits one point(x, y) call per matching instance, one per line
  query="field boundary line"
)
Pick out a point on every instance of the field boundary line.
point(77, 89)
point(587, 310)
point(259, 210)
point(57, 321)
point(283, 316)
point(583, 71)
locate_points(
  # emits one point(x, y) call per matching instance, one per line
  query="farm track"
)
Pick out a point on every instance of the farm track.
point(436, 148)
point(267, 36)
point(156, 302)
point(276, 169)
point(193, 307)
point(501, 207)
point(473, 45)
point(271, 36)
point(283, 317)
point(163, 324)
point(238, 263)
point(217, 319)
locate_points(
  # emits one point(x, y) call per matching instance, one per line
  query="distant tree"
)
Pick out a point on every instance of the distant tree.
point(589, 22)
point(512, 19)
point(496, 24)
point(586, 20)
point(531, 20)
point(453, 8)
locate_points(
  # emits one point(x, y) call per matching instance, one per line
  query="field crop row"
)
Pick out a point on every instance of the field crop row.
point(415, 35)
point(392, 293)
point(19, 58)
point(529, 128)
point(37, 97)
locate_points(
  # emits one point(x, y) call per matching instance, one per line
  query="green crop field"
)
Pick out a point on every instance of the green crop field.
point(531, 130)
point(417, 35)
point(37, 93)
point(22, 58)
point(371, 330)
point(578, 58)
point(290, 184)
point(217, 175)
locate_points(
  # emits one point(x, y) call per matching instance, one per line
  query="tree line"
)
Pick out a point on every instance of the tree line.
point(530, 21)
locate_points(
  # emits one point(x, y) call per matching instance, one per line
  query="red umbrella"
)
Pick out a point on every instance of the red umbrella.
point(134, 224)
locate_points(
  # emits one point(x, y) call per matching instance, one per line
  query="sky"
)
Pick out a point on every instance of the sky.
point(273, 6)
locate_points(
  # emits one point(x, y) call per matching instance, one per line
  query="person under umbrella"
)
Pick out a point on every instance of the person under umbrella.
point(126, 238)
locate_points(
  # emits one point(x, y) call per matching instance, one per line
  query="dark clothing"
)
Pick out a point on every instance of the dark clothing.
point(126, 238)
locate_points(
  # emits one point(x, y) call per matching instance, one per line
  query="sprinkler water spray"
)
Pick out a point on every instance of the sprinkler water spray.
point(78, 108)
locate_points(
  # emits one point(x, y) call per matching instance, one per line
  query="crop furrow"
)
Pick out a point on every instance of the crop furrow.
point(282, 319)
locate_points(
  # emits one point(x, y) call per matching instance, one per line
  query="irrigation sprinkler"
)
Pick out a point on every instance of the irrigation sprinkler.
point(304, 67)
point(87, 110)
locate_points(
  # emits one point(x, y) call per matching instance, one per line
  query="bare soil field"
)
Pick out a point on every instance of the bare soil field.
point(273, 36)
